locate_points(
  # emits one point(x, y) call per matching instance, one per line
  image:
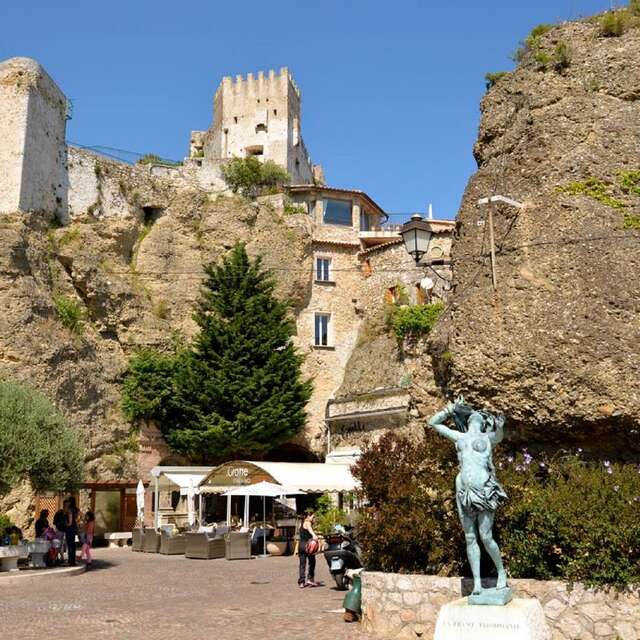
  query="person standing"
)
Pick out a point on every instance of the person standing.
point(71, 530)
point(89, 530)
point(306, 553)
point(60, 523)
point(42, 523)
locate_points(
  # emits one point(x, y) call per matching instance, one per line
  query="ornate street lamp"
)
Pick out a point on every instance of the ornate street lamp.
point(416, 235)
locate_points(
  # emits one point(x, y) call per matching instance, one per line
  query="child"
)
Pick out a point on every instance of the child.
point(87, 537)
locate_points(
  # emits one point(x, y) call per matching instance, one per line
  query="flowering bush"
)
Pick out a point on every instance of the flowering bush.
point(566, 518)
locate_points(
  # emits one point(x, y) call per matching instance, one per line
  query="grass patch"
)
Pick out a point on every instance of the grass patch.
point(592, 188)
point(161, 310)
point(69, 236)
point(152, 158)
point(631, 221)
point(70, 313)
point(630, 181)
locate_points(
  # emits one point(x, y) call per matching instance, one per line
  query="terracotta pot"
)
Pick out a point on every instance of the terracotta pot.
point(277, 548)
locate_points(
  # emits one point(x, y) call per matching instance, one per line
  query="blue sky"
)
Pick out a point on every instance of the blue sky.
point(390, 89)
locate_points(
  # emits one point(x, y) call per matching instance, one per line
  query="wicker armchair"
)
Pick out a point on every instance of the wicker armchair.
point(172, 545)
point(238, 545)
point(151, 541)
point(136, 539)
point(204, 546)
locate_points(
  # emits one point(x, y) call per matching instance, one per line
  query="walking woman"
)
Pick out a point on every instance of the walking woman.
point(306, 552)
point(72, 529)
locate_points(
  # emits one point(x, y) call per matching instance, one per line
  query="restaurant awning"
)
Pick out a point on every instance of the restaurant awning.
point(178, 478)
point(308, 476)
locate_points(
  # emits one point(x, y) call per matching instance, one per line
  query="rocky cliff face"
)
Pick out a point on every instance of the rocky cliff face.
point(557, 345)
point(134, 282)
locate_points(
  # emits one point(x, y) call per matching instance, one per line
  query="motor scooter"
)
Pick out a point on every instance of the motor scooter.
point(342, 553)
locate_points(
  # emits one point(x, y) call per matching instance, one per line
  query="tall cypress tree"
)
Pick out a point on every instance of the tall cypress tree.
point(238, 389)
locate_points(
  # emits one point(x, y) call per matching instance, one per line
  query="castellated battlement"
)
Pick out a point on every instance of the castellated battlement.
point(262, 84)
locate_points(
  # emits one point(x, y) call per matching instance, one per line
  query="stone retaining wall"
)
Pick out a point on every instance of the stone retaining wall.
point(406, 606)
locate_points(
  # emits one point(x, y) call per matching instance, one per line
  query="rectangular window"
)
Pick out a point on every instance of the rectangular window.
point(323, 269)
point(365, 224)
point(337, 212)
point(322, 329)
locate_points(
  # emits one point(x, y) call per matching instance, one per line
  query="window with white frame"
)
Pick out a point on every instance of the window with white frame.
point(323, 269)
point(321, 330)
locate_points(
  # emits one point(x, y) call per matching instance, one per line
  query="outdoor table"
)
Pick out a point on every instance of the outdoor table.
point(37, 551)
point(9, 558)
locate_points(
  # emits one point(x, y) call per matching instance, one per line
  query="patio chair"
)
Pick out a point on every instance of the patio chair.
point(171, 545)
point(136, 539)
point(204, 546)
point(151, 541)
point(238, 545)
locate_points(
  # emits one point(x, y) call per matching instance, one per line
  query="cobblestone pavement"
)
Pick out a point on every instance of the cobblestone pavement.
point(133, 596)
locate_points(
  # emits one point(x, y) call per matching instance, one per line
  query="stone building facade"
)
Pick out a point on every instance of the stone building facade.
point(351, 264)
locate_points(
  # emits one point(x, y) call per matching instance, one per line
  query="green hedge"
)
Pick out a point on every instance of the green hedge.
point(566, 518)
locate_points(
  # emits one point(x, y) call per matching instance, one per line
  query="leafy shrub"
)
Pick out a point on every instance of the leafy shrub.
point(250, 177)
point(614, 23)
point(36, 443)
point(409, 523)
point(294, 208)
point(592, 188)
point(5, 522)
point(565, 519)
point(531, 44)
point(634, 7)
point(414, 320)
point(327, 515)
point(492, 77)
point(70, 313)
point(561, 56)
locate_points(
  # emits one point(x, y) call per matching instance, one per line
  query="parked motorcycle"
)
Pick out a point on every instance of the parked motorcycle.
point(342, 553)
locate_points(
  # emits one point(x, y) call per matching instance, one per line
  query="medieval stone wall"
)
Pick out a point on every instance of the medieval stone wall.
point(404, 607)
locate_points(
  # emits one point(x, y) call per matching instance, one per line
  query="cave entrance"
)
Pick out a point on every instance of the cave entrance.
point(151, 214)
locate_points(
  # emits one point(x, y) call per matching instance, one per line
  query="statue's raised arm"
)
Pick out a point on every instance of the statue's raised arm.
point(436, 423)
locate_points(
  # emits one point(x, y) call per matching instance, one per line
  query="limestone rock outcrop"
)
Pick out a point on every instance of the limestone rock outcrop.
point(134, 283)
point(557, 345)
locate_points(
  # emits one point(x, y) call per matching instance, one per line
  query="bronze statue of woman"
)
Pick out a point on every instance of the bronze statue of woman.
point(478, 492)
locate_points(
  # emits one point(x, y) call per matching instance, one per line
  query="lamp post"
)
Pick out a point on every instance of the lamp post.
point(416, 235)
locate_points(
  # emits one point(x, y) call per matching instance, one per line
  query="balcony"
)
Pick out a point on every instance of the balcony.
point(376, 235)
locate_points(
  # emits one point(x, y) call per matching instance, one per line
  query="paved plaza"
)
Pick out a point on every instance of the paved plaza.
point(148, 596)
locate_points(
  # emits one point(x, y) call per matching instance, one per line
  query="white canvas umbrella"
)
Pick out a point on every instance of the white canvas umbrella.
point(265, 490)
point(140, 502)
point(191, 507)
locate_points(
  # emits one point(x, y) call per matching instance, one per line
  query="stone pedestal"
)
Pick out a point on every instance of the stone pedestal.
point(521, 619)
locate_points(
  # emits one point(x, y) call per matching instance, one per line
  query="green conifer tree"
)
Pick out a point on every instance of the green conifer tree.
point(238, 390)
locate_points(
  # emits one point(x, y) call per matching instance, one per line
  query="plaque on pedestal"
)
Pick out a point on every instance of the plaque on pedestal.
point(521, 619)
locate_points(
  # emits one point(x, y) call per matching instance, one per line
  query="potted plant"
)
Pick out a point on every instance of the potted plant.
point(277, 546)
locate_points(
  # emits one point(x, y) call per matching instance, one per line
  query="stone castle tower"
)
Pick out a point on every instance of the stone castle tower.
point(33, 175)
point(257, 116)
